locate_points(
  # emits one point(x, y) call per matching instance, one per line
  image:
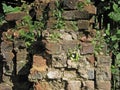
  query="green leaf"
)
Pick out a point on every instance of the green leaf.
point(114, 38)
point(118, 56)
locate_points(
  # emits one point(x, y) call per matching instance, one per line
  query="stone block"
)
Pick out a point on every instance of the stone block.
point(42, 86)
point(66, 36)
point(35, 75)
point(83, 24)
point(75, 15)
point(90, 8)
point(5, 86)
point(14, 16)
point(91, 74)
point(72, 44)
point(39, 63)
point(19, 44)
point(103, 60)
point(83, 73)
point(72, 64)
point(68, 75)
point(71, 25)
point(8, 56)
point(53, 47)
point(70, 4)
point(54, 74)
point(104, 85)
point(74, 85)
point(6, 46)
point(87, 48)
point(59, 61)
point(103, 73)
point(51, 23)
point(91, 59)
point(90, 85)
point(52, 5)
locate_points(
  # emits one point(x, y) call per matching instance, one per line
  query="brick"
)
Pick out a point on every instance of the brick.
point(104, 85)
point(68, 75)
point(103, 60)
point(39, 63)
point(83, 24)
point(91, 59)
point(74, 85)
point(70, 4)
point(89, 85)
point(66, 45)
point(103, 73)
point(6, 46)
point(72, 64)
point(60, 60)
point(91, 9)
point(75, 15)
point(87, 48)
point(42, 86)
point(5, 86)
point(54, 74)
point(14, 16)
point(8, 56)
point(53, 48)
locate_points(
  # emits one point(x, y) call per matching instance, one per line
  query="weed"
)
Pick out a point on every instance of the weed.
point(57, 13)
point(98, 43)
point(74, 54)
point(10, 9)
point(55, 36)
point(80, 6)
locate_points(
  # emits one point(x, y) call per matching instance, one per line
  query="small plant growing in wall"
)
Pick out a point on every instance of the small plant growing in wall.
point(57, 13)
point(74, 54)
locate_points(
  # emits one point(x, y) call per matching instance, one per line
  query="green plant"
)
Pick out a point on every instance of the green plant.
point(57, 13)
point(10, 9)
point(80, 5)
point(98, 43)
point(2, 20)
point(55, 36)
point(74, 25)
point(74, 54)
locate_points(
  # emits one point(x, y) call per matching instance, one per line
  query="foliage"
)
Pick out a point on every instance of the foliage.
point(98, 42)
point(80, 5)
point(10, 9)
point(55, 36)
point(2, 20)
point(74, 54)
point(57, 13)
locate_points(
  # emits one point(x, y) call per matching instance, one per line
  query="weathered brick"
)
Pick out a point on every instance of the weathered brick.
point(54, 74)
point(104, 85)
point(53, 47)
point(42, 86)
point(75, 15)
point(5, 86)
point(87, 48)
point(39, 63)
point(103, 60)
point(6, 46)
point(103, 73)
point(68, 75)
point(72, 64)
point(70, 4)
point(89, 85)
point(60, 60)
point(8, 56)
point(83, 24)
point(72, 44)
point(74, 85)
point(90, 8)
point(14, 16)
point(91, 59)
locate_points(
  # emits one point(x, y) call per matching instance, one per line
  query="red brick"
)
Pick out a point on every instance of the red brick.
point(91, 59)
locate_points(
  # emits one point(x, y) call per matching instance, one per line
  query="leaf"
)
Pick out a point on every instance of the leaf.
point(114, 38)
point(118, 56)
